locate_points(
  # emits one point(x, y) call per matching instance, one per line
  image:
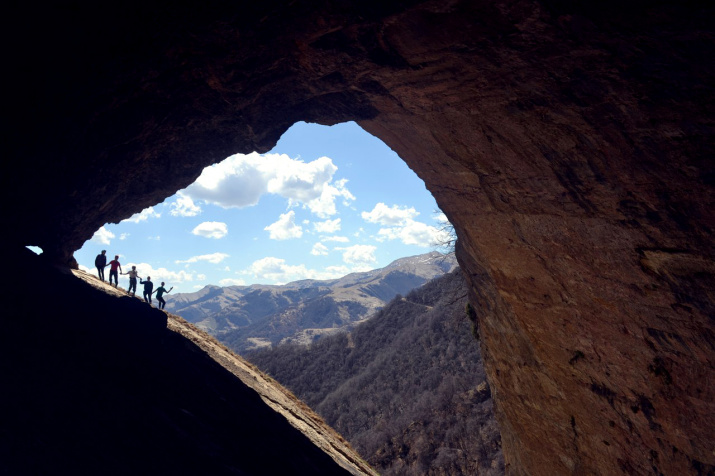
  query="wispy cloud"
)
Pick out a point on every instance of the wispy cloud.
point(319, 249)
point(285, 228)
point(211, 229)
point(213, 258)
point(271, 269)
point(339, 239)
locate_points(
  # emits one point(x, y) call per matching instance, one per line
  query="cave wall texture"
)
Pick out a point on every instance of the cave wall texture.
point(570, 144)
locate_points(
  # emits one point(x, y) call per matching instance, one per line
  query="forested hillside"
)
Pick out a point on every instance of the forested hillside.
point(407, 388)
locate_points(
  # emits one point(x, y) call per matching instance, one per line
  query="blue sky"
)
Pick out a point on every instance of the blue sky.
point(325, 202)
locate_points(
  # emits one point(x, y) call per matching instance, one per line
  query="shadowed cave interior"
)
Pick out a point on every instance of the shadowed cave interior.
point(570, 145)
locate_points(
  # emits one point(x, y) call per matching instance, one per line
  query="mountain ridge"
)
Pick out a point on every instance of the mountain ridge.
point(260, 315)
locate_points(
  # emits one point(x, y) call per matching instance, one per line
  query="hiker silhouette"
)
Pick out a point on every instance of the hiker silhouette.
point(133, 273)
point(114, 264)
point(160, 292)
point(101, 262)
point(148, 286)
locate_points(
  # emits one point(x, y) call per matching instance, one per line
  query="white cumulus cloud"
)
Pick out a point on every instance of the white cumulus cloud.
point(400, 224)
point(144, 215)
point(390, 216)
point(324, 206)
point(158, 274)
point(184, 206)
point(285, 228)
point(240, 180)
point(277, 270)
point(441, 218)
point(102, 236)
point(327, 226)
point(359, 254)
point(231, 282)
point(414, 233)
point(211, 229)
point(319, 249)
point(338, 271)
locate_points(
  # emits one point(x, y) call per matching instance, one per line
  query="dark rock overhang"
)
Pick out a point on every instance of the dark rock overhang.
point(571, 145)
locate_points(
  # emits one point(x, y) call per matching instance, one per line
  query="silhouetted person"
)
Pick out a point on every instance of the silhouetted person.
point(148, 286)
point(133, 273)
point(160, 292)
point(101, 262)
point(114, 264)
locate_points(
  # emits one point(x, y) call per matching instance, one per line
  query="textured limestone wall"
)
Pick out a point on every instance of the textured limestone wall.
point(570, 145)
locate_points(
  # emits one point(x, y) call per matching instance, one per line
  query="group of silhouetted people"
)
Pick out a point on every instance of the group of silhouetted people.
point(101, 262)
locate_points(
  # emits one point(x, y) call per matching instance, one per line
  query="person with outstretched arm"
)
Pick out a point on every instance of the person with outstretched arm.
point(148, 287)
point(114, 264)
point(133, 273)
point(160, 292)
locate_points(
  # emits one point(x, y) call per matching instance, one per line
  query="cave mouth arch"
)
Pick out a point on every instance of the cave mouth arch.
point(570, 147)
point(326, 201)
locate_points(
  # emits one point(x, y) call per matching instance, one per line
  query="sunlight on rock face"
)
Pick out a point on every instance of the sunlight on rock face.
point(570, 146)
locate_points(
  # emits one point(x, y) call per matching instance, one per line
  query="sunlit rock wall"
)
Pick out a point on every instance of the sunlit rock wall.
point(571, 146)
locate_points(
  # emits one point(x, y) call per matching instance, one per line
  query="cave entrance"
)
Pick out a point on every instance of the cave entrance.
point(325, 202)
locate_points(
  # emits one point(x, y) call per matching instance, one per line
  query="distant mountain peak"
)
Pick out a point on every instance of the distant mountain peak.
point(244, 315)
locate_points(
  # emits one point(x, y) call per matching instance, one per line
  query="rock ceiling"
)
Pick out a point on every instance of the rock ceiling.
point(570, 144)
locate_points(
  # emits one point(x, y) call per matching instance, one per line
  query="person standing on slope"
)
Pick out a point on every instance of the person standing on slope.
point(114, 264)
point(101, 262)
point(133, 273)
point(148, 287)
point(160, 292)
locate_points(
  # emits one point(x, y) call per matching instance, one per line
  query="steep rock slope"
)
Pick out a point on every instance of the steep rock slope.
point(102, 385)
point(407, 387)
